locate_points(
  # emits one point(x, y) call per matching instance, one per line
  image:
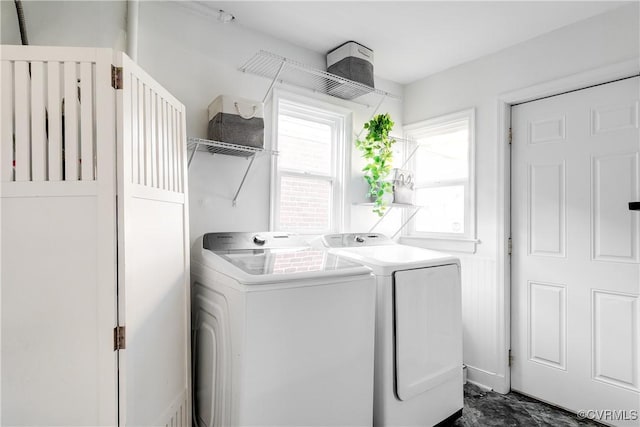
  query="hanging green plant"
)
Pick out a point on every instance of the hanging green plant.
point(376, 148)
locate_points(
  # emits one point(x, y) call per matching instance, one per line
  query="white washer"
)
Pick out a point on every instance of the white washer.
point(283, 334)
point(418, 367)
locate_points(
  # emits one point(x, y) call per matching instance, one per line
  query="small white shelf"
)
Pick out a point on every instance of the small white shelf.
point(390, 207)
point(287, 71)
point(227, 149)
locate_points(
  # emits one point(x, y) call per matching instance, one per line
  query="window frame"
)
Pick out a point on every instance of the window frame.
point(436, 126)
point(340, 121)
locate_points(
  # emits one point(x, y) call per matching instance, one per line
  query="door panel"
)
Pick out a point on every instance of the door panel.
point(615, 233)
point(427, 311)
point(613, 353)
point(546, 209)
point(154, 372)
point(576, 254)
point(547, 324)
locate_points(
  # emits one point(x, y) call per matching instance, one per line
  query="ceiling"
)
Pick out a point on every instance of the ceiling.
point(410, 39)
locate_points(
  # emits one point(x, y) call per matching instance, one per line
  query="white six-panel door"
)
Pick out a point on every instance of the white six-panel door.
point(576, 250)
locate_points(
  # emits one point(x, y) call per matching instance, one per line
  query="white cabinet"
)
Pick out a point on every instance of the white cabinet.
point(94, 226)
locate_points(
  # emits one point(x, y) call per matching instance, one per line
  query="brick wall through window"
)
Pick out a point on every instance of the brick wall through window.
point(306, 171)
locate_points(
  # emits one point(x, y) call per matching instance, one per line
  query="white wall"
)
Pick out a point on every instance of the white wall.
point(602, 40)
point(70, 23)
point(197, 58)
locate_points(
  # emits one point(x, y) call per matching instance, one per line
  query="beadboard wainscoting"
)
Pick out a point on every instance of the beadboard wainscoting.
point(482, 323)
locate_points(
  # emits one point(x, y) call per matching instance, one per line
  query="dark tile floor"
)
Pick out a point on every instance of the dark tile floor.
point(488, 408)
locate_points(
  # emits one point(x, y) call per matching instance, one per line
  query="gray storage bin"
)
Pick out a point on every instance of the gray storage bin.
point(236, 121)
point(352, 61)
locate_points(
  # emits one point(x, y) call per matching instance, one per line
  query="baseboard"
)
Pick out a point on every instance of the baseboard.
point(481, 386)
point(489, 380)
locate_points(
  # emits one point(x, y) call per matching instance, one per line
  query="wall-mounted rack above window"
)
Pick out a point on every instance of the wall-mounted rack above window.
point(290, 72)
point(226, 149)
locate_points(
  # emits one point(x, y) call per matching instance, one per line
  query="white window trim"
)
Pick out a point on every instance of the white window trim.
point(341, 157)
point(447, 241)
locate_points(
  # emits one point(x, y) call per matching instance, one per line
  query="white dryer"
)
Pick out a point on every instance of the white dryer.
point(418, 366)
point(283, 334)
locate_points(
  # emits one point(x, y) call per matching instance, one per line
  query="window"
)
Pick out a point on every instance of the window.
point(444, 174)
point(308, 177)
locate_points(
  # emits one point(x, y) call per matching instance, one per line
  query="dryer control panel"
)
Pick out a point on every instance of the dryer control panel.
point(349, 240)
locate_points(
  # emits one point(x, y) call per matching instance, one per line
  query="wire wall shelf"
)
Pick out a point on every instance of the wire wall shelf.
point(227, 149)
point(287, 71)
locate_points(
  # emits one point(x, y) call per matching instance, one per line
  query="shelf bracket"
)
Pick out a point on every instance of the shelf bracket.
point(273, 83)
point(243, 179)
point(405, 223)
point(228, 149)
point(381, 218)
point(375, 110)
point(409, 157)
point(193, 153)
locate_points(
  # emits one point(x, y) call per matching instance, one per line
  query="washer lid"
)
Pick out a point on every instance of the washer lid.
point(267, 266)
point(285, 261)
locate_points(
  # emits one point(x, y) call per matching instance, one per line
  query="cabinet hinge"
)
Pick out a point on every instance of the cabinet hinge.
point(510, 358)
point(510, 136)
point(116, 77)
point(510, 246)
point(119, 338)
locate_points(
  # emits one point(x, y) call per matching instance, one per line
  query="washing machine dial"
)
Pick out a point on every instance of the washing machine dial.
point(359, 239)
point(259, 240)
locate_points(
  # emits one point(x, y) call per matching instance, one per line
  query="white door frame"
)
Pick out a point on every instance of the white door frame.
point(504, 101)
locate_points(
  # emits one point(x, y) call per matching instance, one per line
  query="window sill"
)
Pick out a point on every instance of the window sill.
point(446, 244)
